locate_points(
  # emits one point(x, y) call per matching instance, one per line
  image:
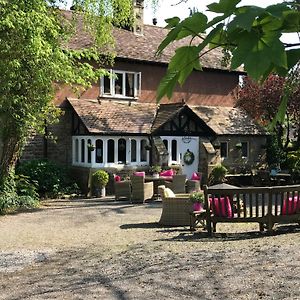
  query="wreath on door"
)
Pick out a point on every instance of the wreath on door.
point(188, 157)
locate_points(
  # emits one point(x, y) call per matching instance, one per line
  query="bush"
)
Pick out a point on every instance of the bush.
point(217, 175)
point(52, 179)
point(293, 164)
point(100, 178)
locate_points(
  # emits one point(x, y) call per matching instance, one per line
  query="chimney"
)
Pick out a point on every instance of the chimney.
point(138, 11)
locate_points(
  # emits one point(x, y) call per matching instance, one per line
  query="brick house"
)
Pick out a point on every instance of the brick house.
point(117, 124)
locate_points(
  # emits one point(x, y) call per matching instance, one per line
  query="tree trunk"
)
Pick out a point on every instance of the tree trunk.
point(9, 155)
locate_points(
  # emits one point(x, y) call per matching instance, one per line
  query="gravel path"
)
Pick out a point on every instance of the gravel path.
point(96, 249)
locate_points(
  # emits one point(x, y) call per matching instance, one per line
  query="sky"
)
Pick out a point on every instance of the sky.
point(181, 9)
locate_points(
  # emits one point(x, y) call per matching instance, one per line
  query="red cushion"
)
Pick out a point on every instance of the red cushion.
point(195, 176)
point(167, 173)
point(221, 207)
point(142, 174)
point(117, 178)
point(291, 206)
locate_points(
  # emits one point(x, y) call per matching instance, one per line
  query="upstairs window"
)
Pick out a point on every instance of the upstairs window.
point(121, 84)
point(224, 149)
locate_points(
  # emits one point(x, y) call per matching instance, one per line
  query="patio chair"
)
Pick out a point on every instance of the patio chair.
point(177, 185)
point(122, 189)
point(141, 190)
point(176, 211)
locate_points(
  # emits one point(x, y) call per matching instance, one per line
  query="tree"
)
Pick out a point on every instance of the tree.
point(261, 101)
point(248, 35)
point(34, 56)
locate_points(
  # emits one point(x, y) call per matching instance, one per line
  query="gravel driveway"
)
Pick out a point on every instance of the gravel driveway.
point(101, 249)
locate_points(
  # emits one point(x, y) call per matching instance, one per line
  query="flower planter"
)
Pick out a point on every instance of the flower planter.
point(197, 206)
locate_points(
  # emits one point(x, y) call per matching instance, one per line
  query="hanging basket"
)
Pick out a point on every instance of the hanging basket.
point(188, 157)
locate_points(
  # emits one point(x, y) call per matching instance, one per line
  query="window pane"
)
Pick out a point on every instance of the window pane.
point(89, 143)
point(99, 151)
point(106, 88)
point(129, 92)
point(111, 151)
point(174, 150)
point(133, 150)
point(166, 144)
point(245, 149)
point(76, 150)
point(82, 150)
point(122, 150)
point(143, 150)
point(224, 149)
point(119, 84)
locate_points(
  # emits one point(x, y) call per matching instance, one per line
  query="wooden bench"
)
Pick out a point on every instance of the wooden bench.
point(265, 205)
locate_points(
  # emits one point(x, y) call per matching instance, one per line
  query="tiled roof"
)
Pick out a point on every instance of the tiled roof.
point(111, 117)
point(143, 47)
point(228, 120)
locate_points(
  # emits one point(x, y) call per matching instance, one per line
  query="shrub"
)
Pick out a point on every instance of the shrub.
point(217, 175)
point(100, 178)
point(52, 179)
point(197, 197)
point(293, 164)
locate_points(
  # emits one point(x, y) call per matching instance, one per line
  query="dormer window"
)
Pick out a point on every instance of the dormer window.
point(121, 84)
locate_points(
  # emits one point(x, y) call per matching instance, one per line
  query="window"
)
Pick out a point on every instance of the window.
point(121, 84)
point(99, 151)
point(82, 150)
point(245, 150)
point(110, 151)
point(166, 144)
point(89, 144)
point(143, 150)
point(224, 149)
point(76, 150)
point(174, 150)
point(122, 150)
point(133, 150)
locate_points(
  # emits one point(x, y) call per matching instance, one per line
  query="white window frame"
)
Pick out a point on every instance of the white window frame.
point(137, 84)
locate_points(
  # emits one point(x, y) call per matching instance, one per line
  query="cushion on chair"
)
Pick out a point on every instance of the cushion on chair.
point(167, 173)
point(117, 178)
point(142, 174)
point(291, 206)
point(169, 193)
point(221, 207)
point(195, 176)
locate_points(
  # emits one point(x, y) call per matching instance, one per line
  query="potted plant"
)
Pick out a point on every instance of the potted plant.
point(100, 179)
point(197, 198)
point(217, 175)
point(155, 170)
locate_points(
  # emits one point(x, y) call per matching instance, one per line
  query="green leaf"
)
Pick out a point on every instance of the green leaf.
point(224, 6)
point(293, 56)
point(184, 61)
point(245, 17)
point(280, 116)
point(172, 22)
point(277, 10)
point(193, 25)
point(171, 37)
point(167, 84)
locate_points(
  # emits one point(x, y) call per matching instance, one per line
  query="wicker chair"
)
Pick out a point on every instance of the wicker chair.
point(175, 210)
point(141, 190)
point(122, 189)
point(178, 184)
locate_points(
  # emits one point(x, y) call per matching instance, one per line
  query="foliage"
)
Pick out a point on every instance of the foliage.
point(248, 35)
point(34, 56)
point(293, 164)
point(52, 179)
point(26, 187)
point(100, 178)
point(197, 197)
point(274, 153)
point(188, 157)
point(155, 169)
point(217, 175)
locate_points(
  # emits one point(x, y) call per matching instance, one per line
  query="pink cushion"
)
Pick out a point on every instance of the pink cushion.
point(195, 176)
point(167, 173)
point(167, 178)
point(117, 178)
point(221, 207)
point(291, 206)
point(142, 174)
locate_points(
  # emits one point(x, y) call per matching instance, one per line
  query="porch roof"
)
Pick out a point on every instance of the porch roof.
point(112, 117)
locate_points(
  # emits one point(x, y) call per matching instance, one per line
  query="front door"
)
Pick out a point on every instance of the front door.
point(189, 155)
